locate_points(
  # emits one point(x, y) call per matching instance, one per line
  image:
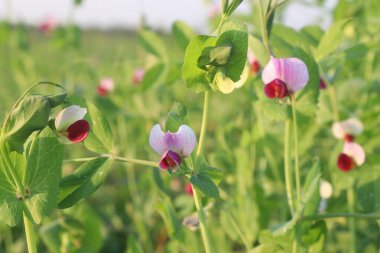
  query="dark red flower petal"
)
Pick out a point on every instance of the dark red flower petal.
point(101, 91)
point(349, 138)
point(276, 89)
point(345, 163)
point(189, 189)
point(170, 159)
point(78, 131)
point(322, 84)
point(255, 67)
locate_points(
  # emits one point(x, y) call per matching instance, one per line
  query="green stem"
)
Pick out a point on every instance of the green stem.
point(351, 221)
point(264, 30)
point(288, 174)
point(238, 230)
point(370, 216)
point(116, 158)
point(196, 194)
point(30, 235)
point(296, 161)
point(204, 123)
point(333, 102)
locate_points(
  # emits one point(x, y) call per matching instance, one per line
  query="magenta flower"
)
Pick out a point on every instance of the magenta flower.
point(189, 189)
point(48, 25)
point(70, 125)
point(347, 129)
point(322, 84)
point(138, 76)
point(106, 86)
point(352, 155)
point(172, 147)
point(284, 77)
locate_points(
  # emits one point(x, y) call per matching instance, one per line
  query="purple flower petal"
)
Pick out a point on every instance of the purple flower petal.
point(182, 142)
point(156, 139)
point(170, 159)
point(292, 71)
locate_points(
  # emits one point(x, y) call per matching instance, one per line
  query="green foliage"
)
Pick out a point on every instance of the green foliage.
point(83, 181)
point(182, 33)
point(152, 43)
point(176, 117)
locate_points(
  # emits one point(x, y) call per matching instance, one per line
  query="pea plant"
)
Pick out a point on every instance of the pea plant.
point(289, 79)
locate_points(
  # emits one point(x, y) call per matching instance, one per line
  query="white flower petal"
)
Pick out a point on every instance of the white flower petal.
point(68, 116)
point(355, 151)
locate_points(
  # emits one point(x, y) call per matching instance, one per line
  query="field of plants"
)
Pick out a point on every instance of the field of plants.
point(254, 137)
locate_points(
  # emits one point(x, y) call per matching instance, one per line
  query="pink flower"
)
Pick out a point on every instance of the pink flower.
point(138, 76)
point(214, 10)
point(254, 64)
point(322, 84)
point(347, 129)
point(106, 86)
point(189, 189)
point(70, 125)
point(284, 77)
point(48, 25)
point(172, 147)
point(352, 155)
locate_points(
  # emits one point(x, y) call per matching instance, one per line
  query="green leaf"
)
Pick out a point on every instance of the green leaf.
point(204, 184)
point(313, 34)
point(152, 43)
point(83, 181)
point(176, 117)
point(235, 35)
point(100, 138)
point(153, 76)
point(31, 114)
point(11, 208)
point(314, 237)
point(331, 39)
point(214, 56)
point(42, 175)
point(195, 77)
point(172, 223)
point(182, 33)
point(232, 7)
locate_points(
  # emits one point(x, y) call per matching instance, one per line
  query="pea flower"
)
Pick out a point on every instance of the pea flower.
point(254, 64)
point(284, 76)
point(48, 25)
point(322, 84)
point(325, 191)
point(352, 155)
point(106, 86)
point(172, 147)
point(138, 76)
point(189, 189)
point(347, 129)
point(226, 85)
point(70, 125)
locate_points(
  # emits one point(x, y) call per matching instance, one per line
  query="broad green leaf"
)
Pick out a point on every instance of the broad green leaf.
point(11, 208)
point(31, 114)
point(195, 77)
point(331, 39)
point(100, 138)
point(204, 184)
point(232, 7)
point(182, 33)
point(313, 34)
point(235, 35)
point(176, 117)
point(314, 237)
point(152, 43)
point(153, 76)
point(214, 56)
point(42, 175)
point(83, 181)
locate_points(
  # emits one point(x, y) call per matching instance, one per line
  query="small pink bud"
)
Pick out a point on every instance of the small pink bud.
point(254, 64)
point(138, 76)
point(48, 25)
point(322, 84)
point(189, 189)
point(106, 86)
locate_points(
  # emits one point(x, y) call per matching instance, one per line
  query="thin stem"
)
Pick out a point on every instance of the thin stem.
point(369, 216)
point(351, 221)
point(196, 194)
point(296, 161)
point(238, 230)
point(333, 102)
point(30, 235)
point(288, 174)
point(264, 30)
point(204, 123)
point(202, 221)
point(116, 158)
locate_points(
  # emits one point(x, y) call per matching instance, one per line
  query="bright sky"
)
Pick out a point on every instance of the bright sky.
point(158, 13)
